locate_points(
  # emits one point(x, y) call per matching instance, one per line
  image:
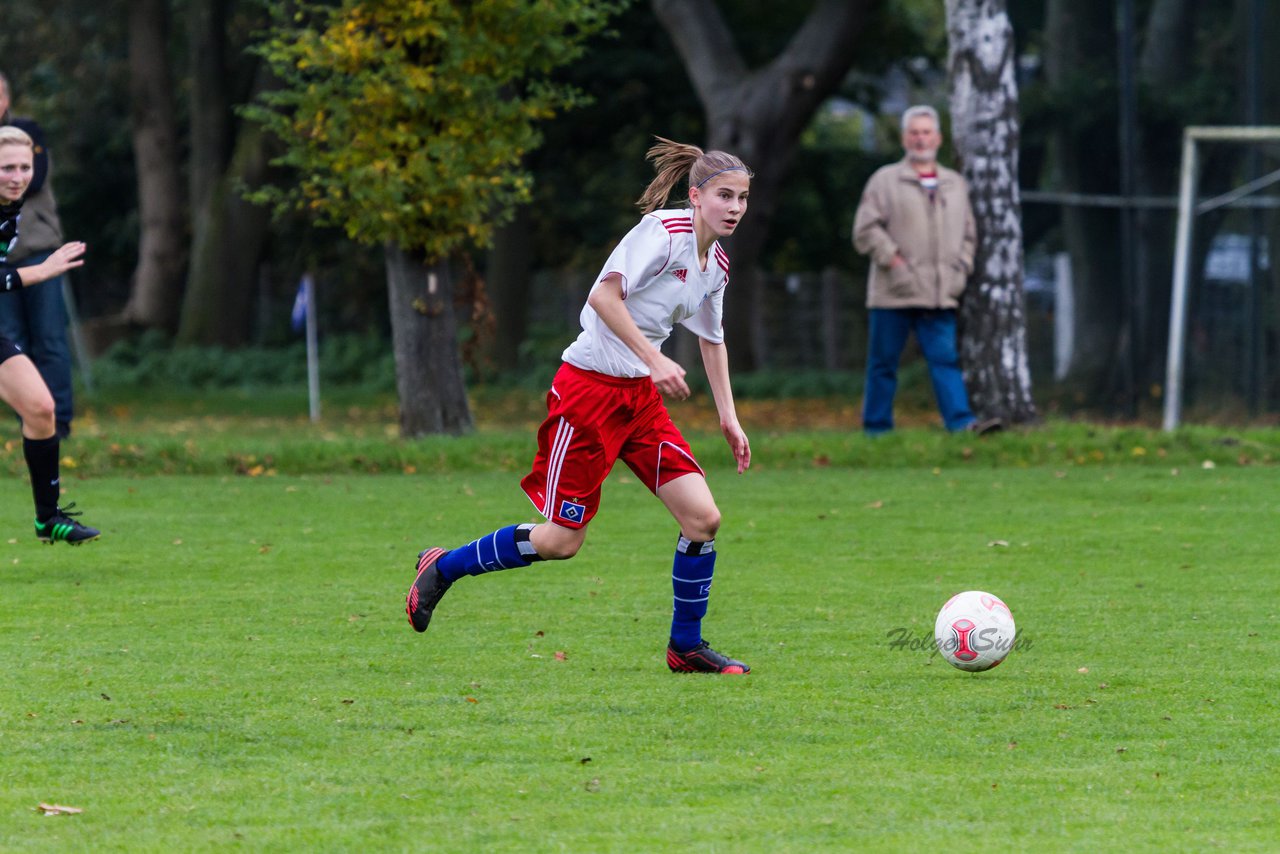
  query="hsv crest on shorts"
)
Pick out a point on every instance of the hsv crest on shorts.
point(571, 512)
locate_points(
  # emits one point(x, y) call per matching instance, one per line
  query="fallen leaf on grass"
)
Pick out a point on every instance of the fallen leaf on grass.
point(58, 809)
point(1001, 543)
point(471, 699)
point(560, 656)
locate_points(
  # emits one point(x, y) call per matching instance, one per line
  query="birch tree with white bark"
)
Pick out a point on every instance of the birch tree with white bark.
point(985, 131)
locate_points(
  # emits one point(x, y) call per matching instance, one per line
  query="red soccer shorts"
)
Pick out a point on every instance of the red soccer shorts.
point(593, 420)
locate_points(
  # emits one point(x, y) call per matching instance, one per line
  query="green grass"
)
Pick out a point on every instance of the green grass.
point(240, 432)
point(231, 666)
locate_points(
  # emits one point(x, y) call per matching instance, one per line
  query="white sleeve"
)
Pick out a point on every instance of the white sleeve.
point(640, 256)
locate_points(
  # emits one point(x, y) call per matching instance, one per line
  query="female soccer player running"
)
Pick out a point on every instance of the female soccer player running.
point(605, 402)
point(21, 385)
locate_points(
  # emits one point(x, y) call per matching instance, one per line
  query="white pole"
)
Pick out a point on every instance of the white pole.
point(1178, 304)
point(313, 349)
point(1064, 316)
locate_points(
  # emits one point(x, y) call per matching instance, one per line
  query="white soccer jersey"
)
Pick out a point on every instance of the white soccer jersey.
point(662, 285)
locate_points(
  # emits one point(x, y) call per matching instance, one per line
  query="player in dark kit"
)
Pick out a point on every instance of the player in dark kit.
point(606, 402)
point(20, 383)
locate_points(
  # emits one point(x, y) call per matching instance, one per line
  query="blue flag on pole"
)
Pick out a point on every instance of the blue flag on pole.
point(299, 316)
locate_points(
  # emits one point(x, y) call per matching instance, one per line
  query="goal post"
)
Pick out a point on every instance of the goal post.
point(1188, 208)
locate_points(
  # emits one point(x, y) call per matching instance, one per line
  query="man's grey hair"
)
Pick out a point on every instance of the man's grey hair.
point(4, 84)
point(921, 110)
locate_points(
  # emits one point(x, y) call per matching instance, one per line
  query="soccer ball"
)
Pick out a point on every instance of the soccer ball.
point(974, 631)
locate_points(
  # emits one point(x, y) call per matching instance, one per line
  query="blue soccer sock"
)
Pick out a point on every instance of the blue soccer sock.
point(505, 548)
point(691, 573)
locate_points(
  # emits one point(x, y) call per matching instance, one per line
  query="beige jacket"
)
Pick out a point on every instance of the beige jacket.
point(936, 239)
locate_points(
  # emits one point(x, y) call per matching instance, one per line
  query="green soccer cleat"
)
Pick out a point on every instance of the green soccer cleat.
point(62, 527)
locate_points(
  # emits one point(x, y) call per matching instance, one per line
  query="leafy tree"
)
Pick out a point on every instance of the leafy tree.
point(405, 124)
point(760, 114)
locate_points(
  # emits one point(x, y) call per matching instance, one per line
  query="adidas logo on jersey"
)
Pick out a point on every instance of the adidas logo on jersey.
point(680, 274)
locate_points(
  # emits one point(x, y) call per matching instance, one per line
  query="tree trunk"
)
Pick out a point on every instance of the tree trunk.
point(156, 290)
point(1163, 71)
point(209, 103)
point(508, 276)
point(424, 337)
point(1079, 50)
point(759, 116)
point(984, 119)
point(225, 252)
point(227, 233)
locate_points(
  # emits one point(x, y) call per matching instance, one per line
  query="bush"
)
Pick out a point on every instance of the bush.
point(151, 361)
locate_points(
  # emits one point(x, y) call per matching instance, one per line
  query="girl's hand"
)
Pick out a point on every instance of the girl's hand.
point(737, 440)
point(668, 376)
point(66, 257)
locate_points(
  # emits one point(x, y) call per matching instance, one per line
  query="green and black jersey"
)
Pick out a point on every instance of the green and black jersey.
point(9, 279)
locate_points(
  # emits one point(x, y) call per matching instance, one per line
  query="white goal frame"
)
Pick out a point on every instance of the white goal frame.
point(1187, 211)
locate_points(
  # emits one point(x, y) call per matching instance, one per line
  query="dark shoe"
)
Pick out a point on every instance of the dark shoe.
point(702, 659)
point(426, 591)
point(988, 425)
point(61, 526)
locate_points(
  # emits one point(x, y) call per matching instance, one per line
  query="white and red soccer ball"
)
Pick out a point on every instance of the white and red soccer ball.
point(974, 631)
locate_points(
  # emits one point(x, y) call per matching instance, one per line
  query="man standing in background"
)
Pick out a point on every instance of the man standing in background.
point(35, 317)
point(916, 223)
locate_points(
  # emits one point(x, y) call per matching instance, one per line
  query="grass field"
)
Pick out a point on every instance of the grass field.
point(231, 665)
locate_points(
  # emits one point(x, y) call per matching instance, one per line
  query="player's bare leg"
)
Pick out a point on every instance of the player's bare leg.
point(22, 388)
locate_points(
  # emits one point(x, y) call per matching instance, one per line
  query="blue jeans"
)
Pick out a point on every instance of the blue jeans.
point(35, 318)
point(935, 331)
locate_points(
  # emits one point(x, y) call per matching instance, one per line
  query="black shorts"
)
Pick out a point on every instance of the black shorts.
point(8, 350)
